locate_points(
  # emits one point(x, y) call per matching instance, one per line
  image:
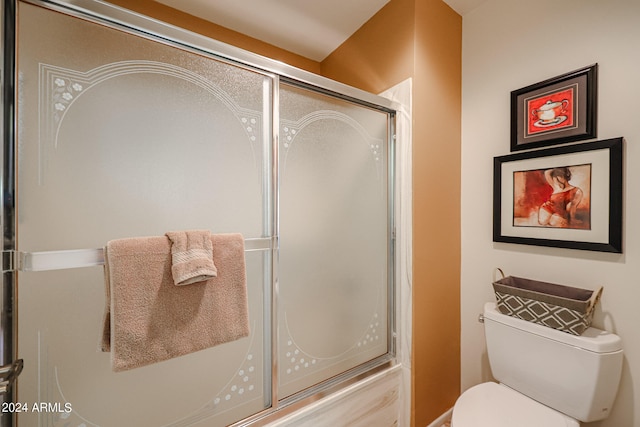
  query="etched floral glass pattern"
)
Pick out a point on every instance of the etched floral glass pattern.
point(119, 137)
point(122, 136)
point(333, 274)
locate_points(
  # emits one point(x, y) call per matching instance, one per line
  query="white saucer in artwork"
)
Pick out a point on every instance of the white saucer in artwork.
point(554, 122)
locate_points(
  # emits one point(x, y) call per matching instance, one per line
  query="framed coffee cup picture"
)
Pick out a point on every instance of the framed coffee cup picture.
point(555, 111)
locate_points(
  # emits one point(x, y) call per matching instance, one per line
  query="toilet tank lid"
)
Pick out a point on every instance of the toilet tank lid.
point(592, 339)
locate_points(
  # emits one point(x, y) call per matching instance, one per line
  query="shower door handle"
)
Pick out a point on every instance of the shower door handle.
point(9, 374)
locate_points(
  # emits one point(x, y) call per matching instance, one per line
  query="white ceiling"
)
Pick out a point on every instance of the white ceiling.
point(311, 28)
point(464, 6)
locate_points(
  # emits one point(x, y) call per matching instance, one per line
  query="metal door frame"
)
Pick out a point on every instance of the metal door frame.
point(8, 335)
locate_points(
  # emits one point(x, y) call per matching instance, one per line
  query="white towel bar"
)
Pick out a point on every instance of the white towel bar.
point(78, 258)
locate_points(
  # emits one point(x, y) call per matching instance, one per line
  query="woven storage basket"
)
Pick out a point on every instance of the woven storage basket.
point(555, 306)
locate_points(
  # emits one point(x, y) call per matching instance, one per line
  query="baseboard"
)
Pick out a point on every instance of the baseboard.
point(444, 418)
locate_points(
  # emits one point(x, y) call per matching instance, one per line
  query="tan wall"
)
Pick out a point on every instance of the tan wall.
point(180, 19)
point(420, 39)
point(380, 54)
point(436, 225)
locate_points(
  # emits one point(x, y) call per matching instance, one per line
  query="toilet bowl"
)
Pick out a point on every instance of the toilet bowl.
point(544, 377)
point(496, 405)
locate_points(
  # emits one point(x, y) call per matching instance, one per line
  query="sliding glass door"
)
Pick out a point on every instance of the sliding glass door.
point(121, 133)
point(124, 137)
point(334, 237)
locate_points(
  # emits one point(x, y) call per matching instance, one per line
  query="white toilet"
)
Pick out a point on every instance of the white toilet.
point(547, 378)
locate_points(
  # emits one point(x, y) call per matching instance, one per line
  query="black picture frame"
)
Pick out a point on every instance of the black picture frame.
point(515, 191)
point(555, 111)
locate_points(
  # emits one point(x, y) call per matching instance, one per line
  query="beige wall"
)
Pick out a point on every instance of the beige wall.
point(418, 39)
point(422, 39)
point(508, 45)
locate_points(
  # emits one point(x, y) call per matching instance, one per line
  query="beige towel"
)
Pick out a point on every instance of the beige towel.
point(191, 256)
point(149, 319)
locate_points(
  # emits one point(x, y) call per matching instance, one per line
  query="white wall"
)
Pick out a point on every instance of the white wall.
point(509, 44)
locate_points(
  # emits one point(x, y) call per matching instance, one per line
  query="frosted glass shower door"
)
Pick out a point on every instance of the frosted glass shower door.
point(121, 136)
point(334, 237)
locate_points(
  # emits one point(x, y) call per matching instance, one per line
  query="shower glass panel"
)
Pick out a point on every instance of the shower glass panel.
point(120, 136)
point(334, 237)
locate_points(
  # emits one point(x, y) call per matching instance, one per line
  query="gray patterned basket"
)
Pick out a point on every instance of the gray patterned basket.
point(555, 306)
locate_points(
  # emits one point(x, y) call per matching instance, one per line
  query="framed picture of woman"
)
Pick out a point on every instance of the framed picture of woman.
point(566, 197)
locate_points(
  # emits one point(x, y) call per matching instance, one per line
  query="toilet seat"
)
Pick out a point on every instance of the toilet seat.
point(495, 405)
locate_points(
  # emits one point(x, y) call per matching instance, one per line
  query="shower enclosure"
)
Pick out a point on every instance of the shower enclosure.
point(119, 126)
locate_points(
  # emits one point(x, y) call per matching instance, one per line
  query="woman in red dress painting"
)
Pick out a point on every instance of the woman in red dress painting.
point(560, 209)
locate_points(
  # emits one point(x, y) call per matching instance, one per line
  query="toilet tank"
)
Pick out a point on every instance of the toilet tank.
point(576, 375)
